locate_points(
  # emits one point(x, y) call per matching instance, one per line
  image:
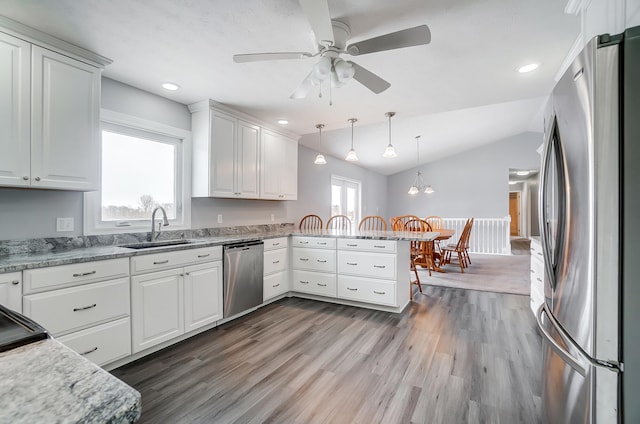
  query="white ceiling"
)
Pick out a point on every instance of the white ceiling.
point(460, 91)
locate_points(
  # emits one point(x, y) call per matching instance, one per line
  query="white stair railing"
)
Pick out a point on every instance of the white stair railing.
point(488, 235)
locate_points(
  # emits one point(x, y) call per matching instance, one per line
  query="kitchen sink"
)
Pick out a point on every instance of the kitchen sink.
point(152, 244)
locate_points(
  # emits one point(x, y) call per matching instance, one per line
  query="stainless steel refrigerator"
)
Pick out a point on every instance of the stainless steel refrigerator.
point(590, 230)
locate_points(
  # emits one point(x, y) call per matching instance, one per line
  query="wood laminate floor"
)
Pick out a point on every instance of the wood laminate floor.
point(453, 356)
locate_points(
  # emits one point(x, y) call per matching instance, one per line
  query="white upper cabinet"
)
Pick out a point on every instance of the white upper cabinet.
point(50, 115)
point(65, 122)
point(225, 160)
point(234, 157)
point(278, 167)
point(15, 71)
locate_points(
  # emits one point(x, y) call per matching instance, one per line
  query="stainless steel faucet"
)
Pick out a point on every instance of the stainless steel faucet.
point(165, 222)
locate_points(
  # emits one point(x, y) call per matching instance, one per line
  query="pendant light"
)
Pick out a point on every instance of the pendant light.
point(418, 184)
point(320, 160)
point(351, 156)
point(390, 151)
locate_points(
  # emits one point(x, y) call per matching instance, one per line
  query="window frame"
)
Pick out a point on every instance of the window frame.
point(92, 211)
point(344, 183)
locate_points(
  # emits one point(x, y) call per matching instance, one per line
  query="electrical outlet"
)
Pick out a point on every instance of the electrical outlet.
point(64, 224)
point(273, 217)
point(219, 218)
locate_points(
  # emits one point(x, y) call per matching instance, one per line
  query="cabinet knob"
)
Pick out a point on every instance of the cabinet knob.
point(15, 282)
point(37, 178)
point(26, 178)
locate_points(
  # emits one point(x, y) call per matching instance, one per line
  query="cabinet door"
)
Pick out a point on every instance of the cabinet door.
point(65, 122)
point(271, 163)
point(156, 308)
point(223, 147)
point(202, 295)
point(289, 171)
point(275, 285)
point(15, 69)
point(11, 291)
point(247, 153)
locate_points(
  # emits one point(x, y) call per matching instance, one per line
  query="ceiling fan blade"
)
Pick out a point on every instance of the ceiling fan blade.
point(303, 88)
point(317, 12)
point(369, 79)
point(256, 57)
point(395, 40)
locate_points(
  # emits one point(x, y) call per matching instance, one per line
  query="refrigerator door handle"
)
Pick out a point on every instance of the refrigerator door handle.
point(566, 356)
point(610, 365)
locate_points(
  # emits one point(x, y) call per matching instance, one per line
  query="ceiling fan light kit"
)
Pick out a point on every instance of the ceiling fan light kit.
point(331, 39)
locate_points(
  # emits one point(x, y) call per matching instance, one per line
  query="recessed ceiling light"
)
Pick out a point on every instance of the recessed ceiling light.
point(528, 68)
point(283, 121)
point(523, 173)
point(171, 86)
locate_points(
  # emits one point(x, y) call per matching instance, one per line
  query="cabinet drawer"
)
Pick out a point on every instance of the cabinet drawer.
point(65, 310)
point(314, 283)
point(383, 246)
point(376, 265)
point(42, 279)
point(176, 259)
point(103, 343)
point(276, 243)
point(275, 261)
point(314, 242)
point(536, 250)
point(314, 259)
point(367, 290)
point(274, 285)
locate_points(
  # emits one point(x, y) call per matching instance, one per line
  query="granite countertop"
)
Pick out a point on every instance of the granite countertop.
point(46, 382)
point(63, 256)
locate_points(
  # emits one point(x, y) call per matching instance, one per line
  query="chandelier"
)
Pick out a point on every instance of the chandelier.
point(418, 183)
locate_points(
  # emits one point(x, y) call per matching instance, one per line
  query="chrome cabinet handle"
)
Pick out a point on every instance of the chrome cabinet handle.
point(276, 262)
point(204, 256)
point(532, 271)
point(15, 282)
point(84, 308)
point(275, 244)
point(539, 254)
point(321, 285)
point(379, 247)
point(37, 178)
point(303, 242)
point(349, 288)
point(379, 266)
point(161, 262)
point(84, 274)
point(276, 285)
point(377, 292)
point(352, 263)
point(322, 244)
point(89, 351)
point(25, 178)
point(352, 245)
point(304, 282)
point(539, 279)
point(304, 259)
point(322, 261)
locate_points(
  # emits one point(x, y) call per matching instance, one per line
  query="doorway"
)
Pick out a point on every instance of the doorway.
point(514, 213)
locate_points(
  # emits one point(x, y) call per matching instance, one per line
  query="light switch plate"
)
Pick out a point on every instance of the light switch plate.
point(220, 219)
point(64, 224)
point(273, 217)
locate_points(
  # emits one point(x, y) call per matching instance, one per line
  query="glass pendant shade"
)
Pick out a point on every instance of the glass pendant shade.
point(351, 156)
point(320, 160)
point(413, 190)
point(429, 190)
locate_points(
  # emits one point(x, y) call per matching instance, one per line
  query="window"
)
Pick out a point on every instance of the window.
point(144, 165)
point(345, 198)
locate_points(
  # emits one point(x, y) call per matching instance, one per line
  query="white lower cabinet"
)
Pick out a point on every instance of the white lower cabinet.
point(167, 304)
point(84, 306)
point(276, 268)
point(537, 276)
point(103, 343)
point(319, 283)
point(367, 290)
point(11, 291)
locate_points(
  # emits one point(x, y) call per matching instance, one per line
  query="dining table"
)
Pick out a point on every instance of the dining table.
point(444, 234)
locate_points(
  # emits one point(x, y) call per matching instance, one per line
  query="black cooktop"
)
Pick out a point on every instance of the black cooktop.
point(17, 330)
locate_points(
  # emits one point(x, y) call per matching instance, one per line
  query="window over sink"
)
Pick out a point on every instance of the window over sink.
point(144, 165)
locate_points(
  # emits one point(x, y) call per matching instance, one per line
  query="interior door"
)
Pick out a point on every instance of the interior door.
point(514, 213)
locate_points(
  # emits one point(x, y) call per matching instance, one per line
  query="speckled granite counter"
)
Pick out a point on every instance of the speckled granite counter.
point(45, 382)
point(65, 253)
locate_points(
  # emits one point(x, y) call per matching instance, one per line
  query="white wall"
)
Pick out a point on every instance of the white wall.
point(473, 183)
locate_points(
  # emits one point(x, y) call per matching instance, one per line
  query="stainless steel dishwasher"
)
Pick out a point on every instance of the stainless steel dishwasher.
point(243, 274)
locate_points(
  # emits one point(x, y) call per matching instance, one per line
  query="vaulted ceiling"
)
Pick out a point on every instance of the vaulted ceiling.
point(459, 91)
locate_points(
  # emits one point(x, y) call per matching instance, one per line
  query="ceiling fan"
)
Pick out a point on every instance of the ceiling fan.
point(332, 37)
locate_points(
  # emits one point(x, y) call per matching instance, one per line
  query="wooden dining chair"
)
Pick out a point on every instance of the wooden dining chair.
point(420, 252)
point(459, 247)
point(435, 221)
point(398, 222)
point(372, 223)
point(310, 222)
point(339, 222)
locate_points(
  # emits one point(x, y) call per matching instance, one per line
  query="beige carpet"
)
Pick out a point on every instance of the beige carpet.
point(494, 273)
